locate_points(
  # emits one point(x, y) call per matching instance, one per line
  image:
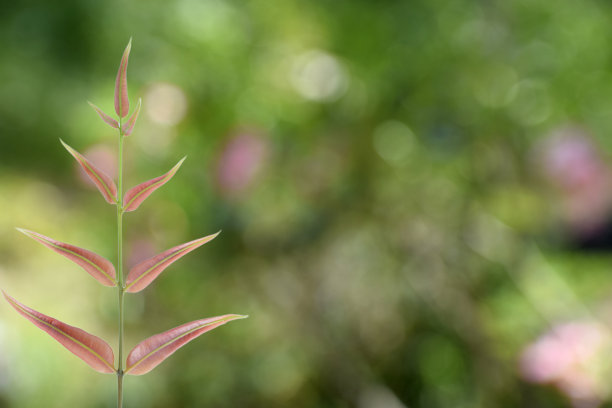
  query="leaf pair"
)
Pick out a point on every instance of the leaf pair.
point(101, 269)
point(128, 126)
point(97, 353)
point(105, 184)
point(122, 103)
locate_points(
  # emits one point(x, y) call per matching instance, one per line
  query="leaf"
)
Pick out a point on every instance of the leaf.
point(89, 348)
point(149, 353)
point(129, 125)
point(145, 272)
point(122, 104)
point(136, 195)
point(97, 266)
point(105, 184)
point(104, 116)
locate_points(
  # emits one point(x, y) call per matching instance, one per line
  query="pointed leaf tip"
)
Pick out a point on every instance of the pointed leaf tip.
point(128, 127)
point(91, 349)
point(145, 272)
point(136, 195)
point(122, 104)
point(103, 182)
point(97, 266)
point(151, 352)
point(112, 122)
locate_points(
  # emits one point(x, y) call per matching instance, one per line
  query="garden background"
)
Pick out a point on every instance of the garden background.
point(415, 199)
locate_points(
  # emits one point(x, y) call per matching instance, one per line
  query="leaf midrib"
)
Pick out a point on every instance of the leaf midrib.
point(148, 271)
point(173, 341)
point(144, 190)
point(80, 257)
point(106, 188)
point(64, 334)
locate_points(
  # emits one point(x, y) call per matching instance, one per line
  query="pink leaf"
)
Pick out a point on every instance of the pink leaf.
point(89, 348)
point(104, 116)
point(105, 184)
point(122, 104)
point(97, 266)
point(129, 125)
point(136, 195)
point(145, 272)
point(149, 353)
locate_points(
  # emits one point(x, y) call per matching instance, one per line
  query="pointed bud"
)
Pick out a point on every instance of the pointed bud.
point(122, 104)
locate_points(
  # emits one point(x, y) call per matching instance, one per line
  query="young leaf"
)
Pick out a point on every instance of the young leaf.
point(129, 125)
point(136, 195)
point(105, 184)
point(149, 353)
point(89, 348)
point(104, 116)
point(122, 104)
point(145, 272)
point(97, 266)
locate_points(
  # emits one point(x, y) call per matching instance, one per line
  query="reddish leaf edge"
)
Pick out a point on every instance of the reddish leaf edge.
point(105, 189)
point(122, 103)
point(106, 118)
point(21, 309)
point(190, 246)
point(216, 323)
point(49, 241)
point(129, 200)
point(128, 126)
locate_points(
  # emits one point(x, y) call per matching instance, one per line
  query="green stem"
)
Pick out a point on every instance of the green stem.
point(119, 390)
point(120, 281)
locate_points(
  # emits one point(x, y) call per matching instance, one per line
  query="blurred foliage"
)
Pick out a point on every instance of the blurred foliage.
point(376, 169)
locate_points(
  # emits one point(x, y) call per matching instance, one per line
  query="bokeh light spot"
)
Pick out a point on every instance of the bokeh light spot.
point(393, 141)
point(319, 76)
point(165, 103)
point(532, 104)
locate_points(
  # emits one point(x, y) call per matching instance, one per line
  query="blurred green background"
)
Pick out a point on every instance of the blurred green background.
point(415, 199)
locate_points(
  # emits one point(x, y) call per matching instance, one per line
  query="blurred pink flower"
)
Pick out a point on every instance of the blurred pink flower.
point(571, 161)
point(239, 163)
point(567, 357)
